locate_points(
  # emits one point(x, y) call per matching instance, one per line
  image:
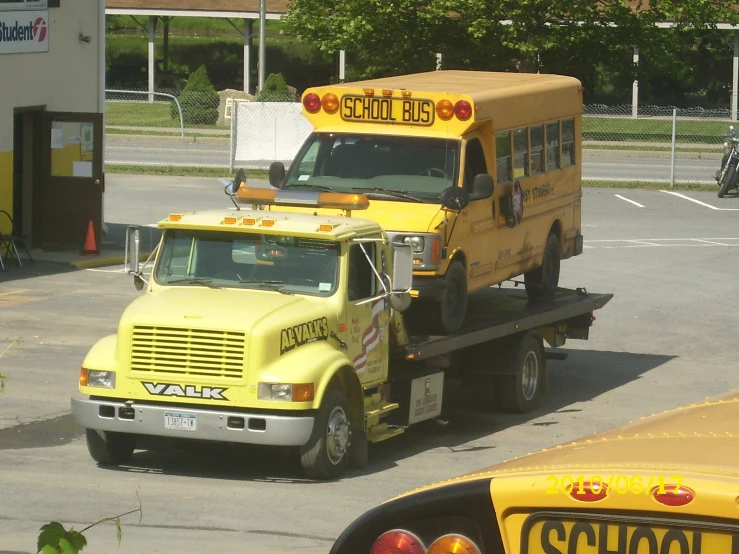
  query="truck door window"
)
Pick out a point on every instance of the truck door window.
point(537, 149)
point(553, 146)
point(568, 142)
point(362, 280)
point(521, 153)
point(503, 162)
point(474, 161)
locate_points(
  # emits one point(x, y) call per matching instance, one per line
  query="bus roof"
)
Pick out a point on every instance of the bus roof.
point(510, 99)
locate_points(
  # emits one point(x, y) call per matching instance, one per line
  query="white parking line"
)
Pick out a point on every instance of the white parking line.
point(627, 200)
point(699, 202)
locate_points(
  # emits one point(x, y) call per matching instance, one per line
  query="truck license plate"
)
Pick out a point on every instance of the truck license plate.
point(180, 421)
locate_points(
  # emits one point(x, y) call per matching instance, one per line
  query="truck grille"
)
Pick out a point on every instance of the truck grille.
point(175, 351)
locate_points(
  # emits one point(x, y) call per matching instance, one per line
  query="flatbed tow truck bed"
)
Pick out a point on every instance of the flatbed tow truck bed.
point(496, 313)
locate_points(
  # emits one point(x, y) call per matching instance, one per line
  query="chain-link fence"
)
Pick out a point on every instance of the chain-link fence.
point(230, 129)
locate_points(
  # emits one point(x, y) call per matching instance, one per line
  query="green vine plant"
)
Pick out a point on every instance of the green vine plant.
point(55, 539)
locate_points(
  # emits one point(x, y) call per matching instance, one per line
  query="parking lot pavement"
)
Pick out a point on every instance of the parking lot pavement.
point(666, 339)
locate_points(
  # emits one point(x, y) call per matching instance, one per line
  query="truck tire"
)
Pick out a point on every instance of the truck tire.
point(358, 454)
point(109, 448)
point(726, 181)
point(326, 454)
point(542, 282)
point(521, 393)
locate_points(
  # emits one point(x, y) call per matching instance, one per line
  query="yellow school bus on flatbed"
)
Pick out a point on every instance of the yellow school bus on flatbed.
point(479, 171)
point(665, 484)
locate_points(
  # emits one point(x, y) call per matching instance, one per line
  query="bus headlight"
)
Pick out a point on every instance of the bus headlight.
point(417, 243)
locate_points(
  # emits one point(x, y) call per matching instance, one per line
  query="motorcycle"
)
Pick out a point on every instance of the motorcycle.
point(728, 176)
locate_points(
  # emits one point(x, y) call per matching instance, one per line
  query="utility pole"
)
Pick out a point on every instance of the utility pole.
point(262, 45)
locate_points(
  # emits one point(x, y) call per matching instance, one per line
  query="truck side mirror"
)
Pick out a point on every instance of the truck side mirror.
point(276, 173)
point(131, 254)
point(482, 187)
point(402, 279)
point(454, 198)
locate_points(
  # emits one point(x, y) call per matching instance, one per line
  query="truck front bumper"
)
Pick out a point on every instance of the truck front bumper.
point(214, 425)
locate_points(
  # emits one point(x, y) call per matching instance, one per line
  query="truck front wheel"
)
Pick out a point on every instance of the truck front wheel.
point(109, 448)
point(326, 454)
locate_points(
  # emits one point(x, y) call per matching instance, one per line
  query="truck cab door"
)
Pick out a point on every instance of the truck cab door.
point(366, 315)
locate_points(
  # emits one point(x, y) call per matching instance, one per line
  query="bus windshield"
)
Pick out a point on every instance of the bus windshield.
point(291, 265)
point(405, 168)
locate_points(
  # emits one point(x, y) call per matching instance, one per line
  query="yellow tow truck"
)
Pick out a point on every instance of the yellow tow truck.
point(273, 327)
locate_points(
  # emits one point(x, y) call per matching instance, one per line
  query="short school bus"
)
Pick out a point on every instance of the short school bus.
point(480, 172)
point(664, 484)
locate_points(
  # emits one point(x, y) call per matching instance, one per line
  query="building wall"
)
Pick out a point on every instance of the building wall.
point(66, 78)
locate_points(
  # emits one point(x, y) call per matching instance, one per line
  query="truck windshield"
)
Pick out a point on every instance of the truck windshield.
point(291, 265)
point(405, 168)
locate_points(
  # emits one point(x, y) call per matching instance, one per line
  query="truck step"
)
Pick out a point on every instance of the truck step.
point(382, 432)
point(380, 409)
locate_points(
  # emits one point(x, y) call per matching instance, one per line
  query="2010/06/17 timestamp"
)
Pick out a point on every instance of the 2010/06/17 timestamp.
point(619, 483)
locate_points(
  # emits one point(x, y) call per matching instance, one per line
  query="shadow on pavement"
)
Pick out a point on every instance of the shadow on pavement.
point(582, 378)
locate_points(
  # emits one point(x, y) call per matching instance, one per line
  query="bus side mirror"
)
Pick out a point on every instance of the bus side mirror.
point(276, 173)
point(454, 198)
point(482, 187)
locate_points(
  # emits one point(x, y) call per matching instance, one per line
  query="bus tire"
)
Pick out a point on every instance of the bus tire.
point(521, 393)
point(542, 282)
point(453, 303)
point(109, 448)
point(726, 181)
point(326, 454)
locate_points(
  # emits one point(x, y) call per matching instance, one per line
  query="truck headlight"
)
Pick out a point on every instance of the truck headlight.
point(95, 378)
point(302, 392)
point(417, 243)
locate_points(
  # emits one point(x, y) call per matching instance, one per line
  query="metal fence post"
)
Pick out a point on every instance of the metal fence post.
point(232, 140)
point(672, 158)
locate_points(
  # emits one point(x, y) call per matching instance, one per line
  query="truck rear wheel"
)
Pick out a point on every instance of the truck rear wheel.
point(521, 392)
point(542, 282)
point(326, 454)
point(109, 448)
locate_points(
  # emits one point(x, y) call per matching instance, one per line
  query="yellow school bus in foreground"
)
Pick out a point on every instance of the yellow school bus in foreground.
point(665, 484)
point(479, 171)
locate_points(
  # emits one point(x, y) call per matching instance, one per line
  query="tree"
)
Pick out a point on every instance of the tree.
point(198, 99)
point(275, 89)
point(575, 37)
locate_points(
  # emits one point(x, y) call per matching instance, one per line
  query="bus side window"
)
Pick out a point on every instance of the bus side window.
point(521, 153)
point(553, 146)
point(361, 277)
point(474, 162)
point(537, 149)
point(568, 142)
point(503, 162)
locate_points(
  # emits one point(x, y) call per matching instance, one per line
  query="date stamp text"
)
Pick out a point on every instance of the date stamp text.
point(616, 483)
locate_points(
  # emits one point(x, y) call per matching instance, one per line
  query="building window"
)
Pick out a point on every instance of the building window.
point(23, 4)
point(503, 162)
point(568, 142)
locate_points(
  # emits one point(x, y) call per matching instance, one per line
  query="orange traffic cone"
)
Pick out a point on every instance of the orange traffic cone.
point(90, 248)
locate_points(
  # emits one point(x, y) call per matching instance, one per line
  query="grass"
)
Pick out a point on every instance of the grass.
point(653, 130)
point(649, 185)
point(175, 132)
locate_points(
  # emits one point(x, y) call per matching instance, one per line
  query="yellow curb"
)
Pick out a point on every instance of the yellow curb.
point(111, 260)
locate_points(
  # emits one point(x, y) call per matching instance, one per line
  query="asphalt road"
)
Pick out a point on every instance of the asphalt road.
point(666, 339)
point(607, 165)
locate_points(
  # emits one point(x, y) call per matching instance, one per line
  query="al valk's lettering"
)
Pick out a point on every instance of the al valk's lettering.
point(298, 335)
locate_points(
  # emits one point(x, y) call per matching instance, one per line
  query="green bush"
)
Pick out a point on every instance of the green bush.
point(199, 100)
point(275, 89)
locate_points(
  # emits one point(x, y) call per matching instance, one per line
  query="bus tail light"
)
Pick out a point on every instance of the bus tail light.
point(463, 110)
point(456, 544)
point(398, 541)
point(672, 495)
point(330, 103)
point(312, 103)
point(444, 109)
point(589, 492)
